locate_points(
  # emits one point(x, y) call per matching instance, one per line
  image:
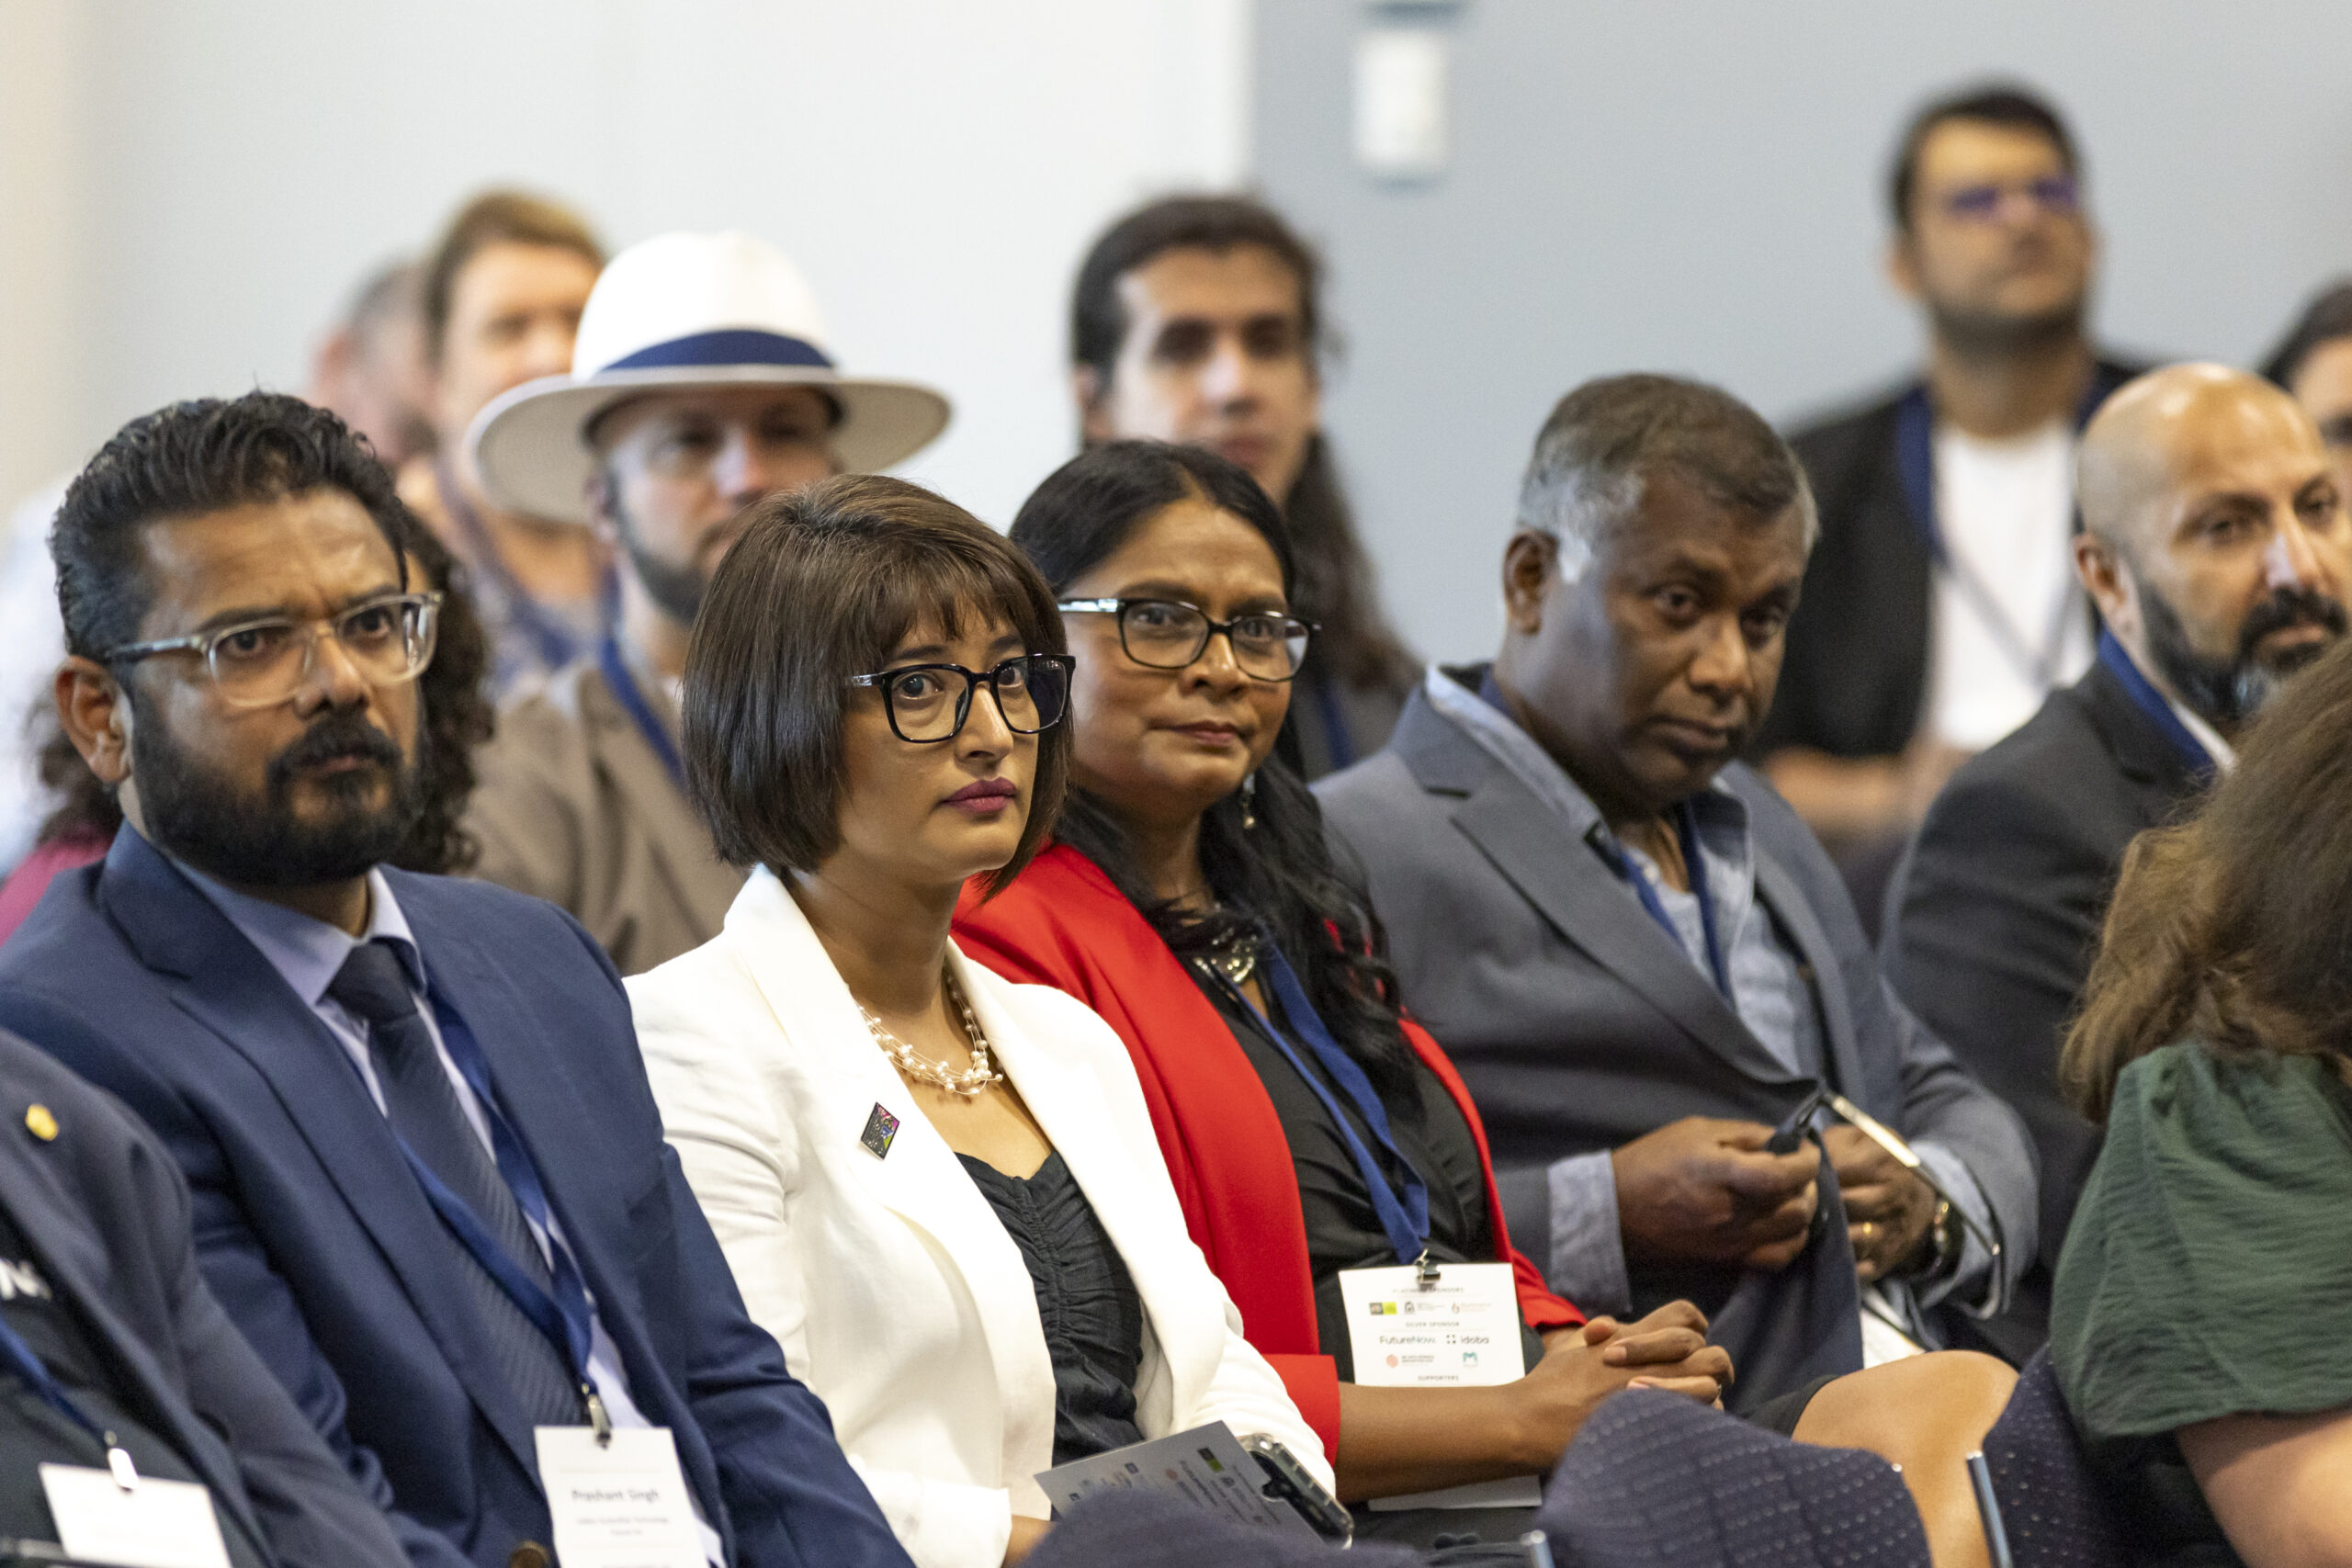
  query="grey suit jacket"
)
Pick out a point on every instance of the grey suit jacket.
point(576, 808)
point(1578, 1025)
point(104, 1210)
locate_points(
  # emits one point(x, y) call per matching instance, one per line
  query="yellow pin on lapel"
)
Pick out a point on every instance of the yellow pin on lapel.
point(40, 1123)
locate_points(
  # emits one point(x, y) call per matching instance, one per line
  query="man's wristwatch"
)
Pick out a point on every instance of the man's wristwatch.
point(1949, 1239)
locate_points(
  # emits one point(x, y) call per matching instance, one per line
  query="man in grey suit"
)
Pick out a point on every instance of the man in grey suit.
point(700, 385)
point(109, 1342)
point(1636, 953)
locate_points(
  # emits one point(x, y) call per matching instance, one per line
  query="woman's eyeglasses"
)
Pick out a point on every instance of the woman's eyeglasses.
point(1162, 634)
point(928, 703)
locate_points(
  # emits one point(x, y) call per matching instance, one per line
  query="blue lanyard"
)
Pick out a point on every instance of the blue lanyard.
point(1686, 826)
point(555, 643)
point(1405, 1218)
point(21, 1359)
point(2151, 702)
point(1915, 462)
point(565, 1316)
point(625, 692)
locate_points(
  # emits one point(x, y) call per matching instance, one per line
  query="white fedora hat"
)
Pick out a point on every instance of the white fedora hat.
point(686, 311)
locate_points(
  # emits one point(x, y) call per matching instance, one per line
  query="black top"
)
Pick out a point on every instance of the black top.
point(33, 1433)
point(1086, 1299)
point(1996, 915)
point(1343, 1230)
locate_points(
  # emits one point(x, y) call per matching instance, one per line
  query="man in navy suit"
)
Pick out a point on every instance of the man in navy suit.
point(428, 1179)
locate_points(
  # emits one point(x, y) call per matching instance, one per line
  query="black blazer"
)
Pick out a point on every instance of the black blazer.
point(1579, 1026)
point(1855, 676)
point(106, 1215)
point(1994, 918)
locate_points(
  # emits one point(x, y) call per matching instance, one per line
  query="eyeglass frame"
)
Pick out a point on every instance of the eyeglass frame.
point(1981, 201)
point(1118, 607)
point(881, 679)
point(202, 644)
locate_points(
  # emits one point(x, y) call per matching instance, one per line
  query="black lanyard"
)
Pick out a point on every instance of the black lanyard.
point(624, 689)
point(1686, 827)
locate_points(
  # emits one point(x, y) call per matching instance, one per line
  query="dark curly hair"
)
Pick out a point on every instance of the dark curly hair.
point(209, 454)
point(1280, 871)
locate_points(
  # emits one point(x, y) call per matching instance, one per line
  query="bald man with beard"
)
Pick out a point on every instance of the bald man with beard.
point(2217, 550)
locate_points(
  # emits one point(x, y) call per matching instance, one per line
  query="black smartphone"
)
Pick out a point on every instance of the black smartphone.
point(1288, 1481)
point(1793, 1126)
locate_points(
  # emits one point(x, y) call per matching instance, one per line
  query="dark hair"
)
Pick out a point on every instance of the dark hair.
point(495, 218)
point(1280, 871)
point(822, 586)
point(1604, 440)
point(2004, 104)
point(207, 455)
point(1335, 586)
point(457, 716)
point(2327, 318)
point(2229, 929)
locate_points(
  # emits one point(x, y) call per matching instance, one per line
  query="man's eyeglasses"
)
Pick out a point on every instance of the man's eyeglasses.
point(1162, 634)
point(2057, 194)
point(259, 664)
point(928, 703)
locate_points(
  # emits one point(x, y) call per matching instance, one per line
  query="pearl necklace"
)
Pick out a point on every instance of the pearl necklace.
point(971, 1083)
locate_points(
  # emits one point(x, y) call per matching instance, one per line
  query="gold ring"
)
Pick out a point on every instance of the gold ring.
point(1869, 1228)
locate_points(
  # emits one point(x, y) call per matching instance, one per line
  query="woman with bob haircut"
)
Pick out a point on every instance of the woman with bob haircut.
point(2202, 1306)
point(1312, 1128)
point(939, 1191)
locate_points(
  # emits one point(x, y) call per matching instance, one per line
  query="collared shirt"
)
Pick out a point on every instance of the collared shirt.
point(2224, 755)
point(1769, 993)
point(308, 954)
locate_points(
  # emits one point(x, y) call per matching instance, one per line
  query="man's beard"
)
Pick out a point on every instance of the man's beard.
point(196, 816)
point(2226, 692)
point(676, 590)
point(1991, 334)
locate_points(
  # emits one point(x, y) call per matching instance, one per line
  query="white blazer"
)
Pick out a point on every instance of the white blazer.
point(892, 1287)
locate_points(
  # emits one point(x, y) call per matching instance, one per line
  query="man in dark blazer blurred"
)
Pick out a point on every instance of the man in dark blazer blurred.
point(1941, 607)
point(98, 1284)
point(2217, 546)
point(428, 1177)
point(1638, 957)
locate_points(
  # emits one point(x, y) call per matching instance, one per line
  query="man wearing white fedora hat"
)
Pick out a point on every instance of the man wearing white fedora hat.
point(699, 385)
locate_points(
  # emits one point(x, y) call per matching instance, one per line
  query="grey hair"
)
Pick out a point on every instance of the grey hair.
point(1604, 441)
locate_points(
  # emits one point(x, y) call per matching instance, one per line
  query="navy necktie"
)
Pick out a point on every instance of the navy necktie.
point(423, 1108)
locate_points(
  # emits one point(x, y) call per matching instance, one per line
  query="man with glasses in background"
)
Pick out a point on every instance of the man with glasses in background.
point(699, 386)
point(1941, 607)
point(427, 1177)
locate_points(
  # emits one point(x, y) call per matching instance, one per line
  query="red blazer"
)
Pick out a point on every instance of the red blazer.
point(1063, 924)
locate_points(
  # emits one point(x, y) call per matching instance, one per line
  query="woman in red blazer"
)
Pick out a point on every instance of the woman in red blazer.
point(1229, 897)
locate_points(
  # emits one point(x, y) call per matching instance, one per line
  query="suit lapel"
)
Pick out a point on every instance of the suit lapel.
point(2141, 751)
point(75, 1259)
point(1779, 891)
point(1567, 883)
point(919, 1179)
point(218, 978)
point(656, 803)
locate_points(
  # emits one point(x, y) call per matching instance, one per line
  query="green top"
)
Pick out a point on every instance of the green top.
point(2206, 1273)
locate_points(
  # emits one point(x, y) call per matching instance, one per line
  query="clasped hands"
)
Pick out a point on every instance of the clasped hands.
point(1705, 1190)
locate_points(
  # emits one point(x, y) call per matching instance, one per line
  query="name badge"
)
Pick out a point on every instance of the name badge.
point(1460, 1330)
point(618, 1505)
point(150, 1524)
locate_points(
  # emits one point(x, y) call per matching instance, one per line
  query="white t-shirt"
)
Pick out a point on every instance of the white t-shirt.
point(2007, 622)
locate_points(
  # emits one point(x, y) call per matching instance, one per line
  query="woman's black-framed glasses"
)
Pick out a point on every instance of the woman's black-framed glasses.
point(1162, 634)
point(927, 704)
point(259, 664)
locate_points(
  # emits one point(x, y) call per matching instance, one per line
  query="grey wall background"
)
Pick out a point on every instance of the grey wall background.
point(1695, 186)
